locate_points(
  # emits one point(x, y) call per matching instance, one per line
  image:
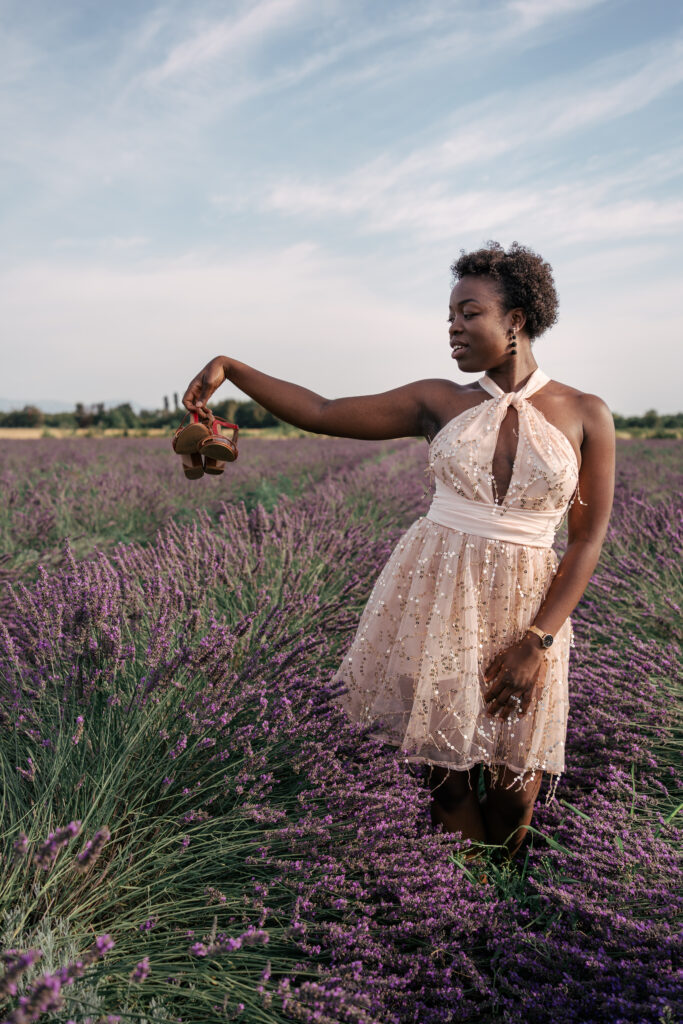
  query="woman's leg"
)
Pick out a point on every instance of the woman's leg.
point(507, 812)
point(455, 804)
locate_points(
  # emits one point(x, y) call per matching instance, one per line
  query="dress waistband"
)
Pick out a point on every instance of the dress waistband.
point(482, 519)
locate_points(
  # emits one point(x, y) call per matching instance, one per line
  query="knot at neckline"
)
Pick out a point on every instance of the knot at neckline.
point(535, 382)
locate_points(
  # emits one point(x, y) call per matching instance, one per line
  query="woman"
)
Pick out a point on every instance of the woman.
point(462, 652)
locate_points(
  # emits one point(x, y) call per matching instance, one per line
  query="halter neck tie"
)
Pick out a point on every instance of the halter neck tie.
point(536, 381)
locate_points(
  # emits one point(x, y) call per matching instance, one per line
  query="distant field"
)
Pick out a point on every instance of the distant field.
point(34, 433)
point(190, 829)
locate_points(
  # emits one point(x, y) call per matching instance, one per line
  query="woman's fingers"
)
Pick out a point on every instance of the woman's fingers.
point(496, 676)
point(499, 681)
point(198, 393)
point(499, 702)
point(191, 396)
point(202, 387)
point(493, 668)
point(505, 696)
point(513, 705)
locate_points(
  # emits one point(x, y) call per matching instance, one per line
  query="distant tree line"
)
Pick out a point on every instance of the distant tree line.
point(651, 420)
point(244, 414)
point(124, 417)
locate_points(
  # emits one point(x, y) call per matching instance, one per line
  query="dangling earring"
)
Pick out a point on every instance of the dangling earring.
point(513, 341)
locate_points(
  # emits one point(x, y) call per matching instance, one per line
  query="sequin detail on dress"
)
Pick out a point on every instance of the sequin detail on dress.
point(447, 601)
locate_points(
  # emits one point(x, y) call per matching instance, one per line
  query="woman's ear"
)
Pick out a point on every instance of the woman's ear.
point(517, 319)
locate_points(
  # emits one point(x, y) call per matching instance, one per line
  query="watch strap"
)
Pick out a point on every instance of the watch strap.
point(541, 635)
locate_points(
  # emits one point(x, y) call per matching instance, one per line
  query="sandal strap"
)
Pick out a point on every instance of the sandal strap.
point(225, 423)
point(194, 416)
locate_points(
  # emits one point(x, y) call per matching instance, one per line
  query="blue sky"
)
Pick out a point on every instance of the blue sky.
point(288, 182)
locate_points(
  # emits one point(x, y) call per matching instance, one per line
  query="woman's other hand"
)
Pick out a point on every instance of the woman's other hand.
point(512, 676)
point(202, 387)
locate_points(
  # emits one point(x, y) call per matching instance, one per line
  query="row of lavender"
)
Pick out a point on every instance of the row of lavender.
point(100, 491)
point(178, 783)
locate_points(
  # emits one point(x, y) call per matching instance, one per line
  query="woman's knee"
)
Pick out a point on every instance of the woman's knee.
point(510, 795)
point(450, 788)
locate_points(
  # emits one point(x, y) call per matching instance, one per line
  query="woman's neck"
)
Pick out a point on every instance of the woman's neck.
point(513, 374)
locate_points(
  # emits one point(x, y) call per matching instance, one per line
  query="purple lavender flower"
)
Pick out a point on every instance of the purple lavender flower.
point(255, 937)
point(47, 851)
point(77, 736)
point(28, 773)
point(20, 846)
point(102, 945)
point(140, 971)
point(44, 996)
point(181, 744)
point(214, 895)
point(93, 848)
point(16, 964)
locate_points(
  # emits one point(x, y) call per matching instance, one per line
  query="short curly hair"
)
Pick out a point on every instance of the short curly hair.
point(524, 279)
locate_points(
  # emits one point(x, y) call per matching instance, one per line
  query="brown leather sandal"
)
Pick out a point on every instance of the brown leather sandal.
point(188, 436)
point(193, 465)
point(212, 466)
point(220, 445)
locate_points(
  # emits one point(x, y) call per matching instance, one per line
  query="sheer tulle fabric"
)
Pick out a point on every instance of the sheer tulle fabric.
point(448, 601)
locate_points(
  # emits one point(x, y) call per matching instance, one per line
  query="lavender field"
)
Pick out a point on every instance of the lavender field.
point(192, 831)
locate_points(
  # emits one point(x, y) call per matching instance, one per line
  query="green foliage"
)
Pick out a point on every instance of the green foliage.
point(245, 414)
point(29, 416)
point(649, 421)
point(123, 417)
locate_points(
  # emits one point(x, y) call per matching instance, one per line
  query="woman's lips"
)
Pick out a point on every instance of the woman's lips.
point(458, 350)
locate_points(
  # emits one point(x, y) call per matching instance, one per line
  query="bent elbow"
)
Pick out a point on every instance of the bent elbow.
point(586, 546)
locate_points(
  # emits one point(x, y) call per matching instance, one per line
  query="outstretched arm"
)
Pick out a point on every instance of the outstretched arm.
point(402, 412)
point(515, 670)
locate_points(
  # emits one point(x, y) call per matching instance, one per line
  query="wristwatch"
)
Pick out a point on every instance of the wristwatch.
point(546, 639)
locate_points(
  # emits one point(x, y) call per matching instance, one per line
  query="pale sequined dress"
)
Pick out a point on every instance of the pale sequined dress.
point(462, 584)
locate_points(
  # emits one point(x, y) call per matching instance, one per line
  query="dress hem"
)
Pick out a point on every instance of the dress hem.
point(493, 766)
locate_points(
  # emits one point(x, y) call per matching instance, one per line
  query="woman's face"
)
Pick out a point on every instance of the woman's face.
point(478, 327)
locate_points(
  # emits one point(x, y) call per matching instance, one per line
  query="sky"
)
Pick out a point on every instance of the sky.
point(288, 182)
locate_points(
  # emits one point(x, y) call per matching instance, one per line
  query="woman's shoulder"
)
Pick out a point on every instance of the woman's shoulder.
point(585, 409)
point(442, 399)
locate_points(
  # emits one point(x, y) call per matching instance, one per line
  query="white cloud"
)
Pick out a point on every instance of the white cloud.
point(584, 211)
point(230, 34)
point(429, 193)
point(661, 71)
point(534, 13)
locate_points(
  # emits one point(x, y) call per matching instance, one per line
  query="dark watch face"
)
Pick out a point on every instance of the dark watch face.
point(547, 640)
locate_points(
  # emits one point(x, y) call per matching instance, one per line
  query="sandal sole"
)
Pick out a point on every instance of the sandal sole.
point(188, 440)
point(215, 449)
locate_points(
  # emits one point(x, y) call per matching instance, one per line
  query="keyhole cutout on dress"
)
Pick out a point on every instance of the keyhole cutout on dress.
point(504, 455)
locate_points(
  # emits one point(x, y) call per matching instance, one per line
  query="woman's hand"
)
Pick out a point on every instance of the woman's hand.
point(204, 384)
point(512, 676)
